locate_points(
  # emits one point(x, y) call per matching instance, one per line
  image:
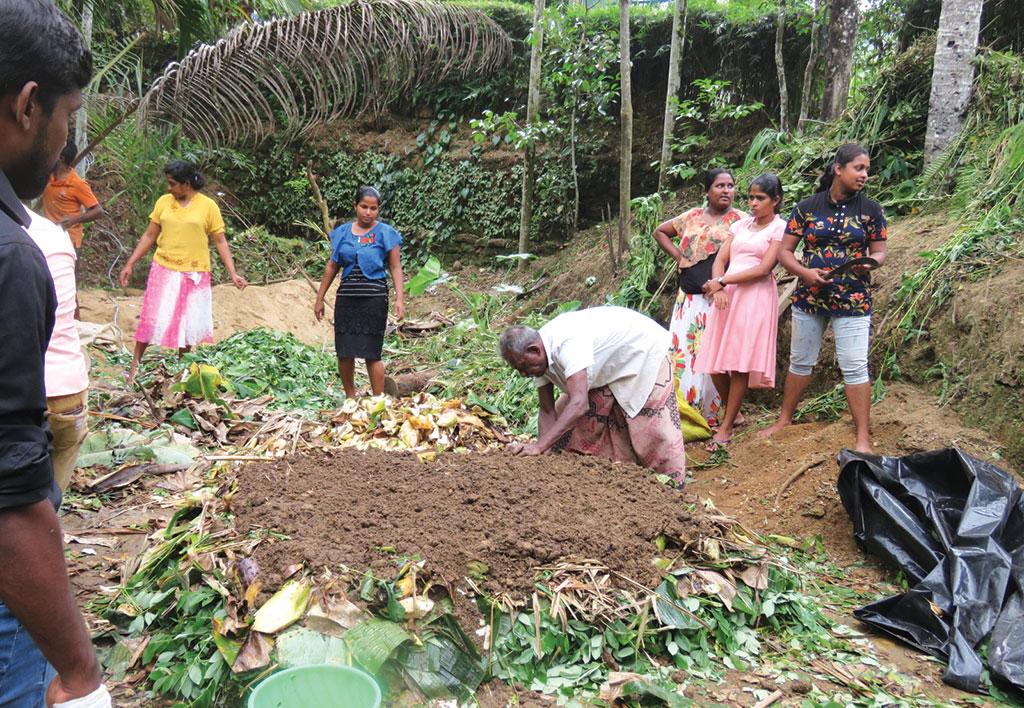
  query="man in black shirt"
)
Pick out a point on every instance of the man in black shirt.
point(43, 67)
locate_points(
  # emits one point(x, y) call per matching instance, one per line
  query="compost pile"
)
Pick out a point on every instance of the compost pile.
point(491, 516)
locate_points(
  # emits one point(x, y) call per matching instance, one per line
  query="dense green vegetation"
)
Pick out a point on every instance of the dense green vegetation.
point(447, 159)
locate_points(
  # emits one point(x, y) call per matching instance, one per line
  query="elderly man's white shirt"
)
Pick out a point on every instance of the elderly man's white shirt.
point(619, 348)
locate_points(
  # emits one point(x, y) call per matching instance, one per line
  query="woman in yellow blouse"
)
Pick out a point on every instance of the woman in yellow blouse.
point(176, 307)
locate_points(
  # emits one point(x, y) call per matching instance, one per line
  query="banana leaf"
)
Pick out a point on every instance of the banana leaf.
point(372, 642)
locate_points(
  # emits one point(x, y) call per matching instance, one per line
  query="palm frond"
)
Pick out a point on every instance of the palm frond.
point(293, 74)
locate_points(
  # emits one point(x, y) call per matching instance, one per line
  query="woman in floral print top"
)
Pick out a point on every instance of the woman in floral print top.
point(836, 225)
point(692, 240)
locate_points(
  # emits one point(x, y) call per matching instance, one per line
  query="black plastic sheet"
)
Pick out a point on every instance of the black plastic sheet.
point(955, 526)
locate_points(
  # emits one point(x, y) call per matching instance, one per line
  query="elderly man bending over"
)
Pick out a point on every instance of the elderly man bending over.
point(612, 365)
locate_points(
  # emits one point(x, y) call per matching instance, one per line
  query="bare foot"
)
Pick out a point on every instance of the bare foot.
point(864, 446)
point(773, 428)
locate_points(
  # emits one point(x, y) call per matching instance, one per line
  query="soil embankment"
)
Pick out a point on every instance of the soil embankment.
point(285, 306)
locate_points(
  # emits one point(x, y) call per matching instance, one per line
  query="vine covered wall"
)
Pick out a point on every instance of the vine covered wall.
point(452, 205)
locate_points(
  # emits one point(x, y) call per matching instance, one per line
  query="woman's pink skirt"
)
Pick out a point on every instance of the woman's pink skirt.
point(176, 309)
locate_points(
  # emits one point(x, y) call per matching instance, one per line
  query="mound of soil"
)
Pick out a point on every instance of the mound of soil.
point(512, 514)
point(286, 306)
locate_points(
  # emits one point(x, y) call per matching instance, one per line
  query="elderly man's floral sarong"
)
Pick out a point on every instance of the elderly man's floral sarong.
point(652, 438)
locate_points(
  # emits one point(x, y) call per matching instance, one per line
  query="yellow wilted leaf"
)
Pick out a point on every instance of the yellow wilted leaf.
point(375, 405)
point(471, 420)
point(407, 585)
point(286, 606)
point(408, 435)
point(447, 419)
point(420, 422)
point(252, 591)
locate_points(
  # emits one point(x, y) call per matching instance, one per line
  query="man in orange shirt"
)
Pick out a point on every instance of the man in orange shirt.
point(67, 195)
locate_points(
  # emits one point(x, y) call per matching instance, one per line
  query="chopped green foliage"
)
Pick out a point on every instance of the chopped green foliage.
point(263, 361)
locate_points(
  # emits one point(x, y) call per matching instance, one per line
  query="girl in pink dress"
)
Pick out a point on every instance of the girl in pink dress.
point(738, 348)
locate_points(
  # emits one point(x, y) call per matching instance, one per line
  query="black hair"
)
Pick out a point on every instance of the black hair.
point(69, 153)
point(770, 184)
point(185, 172)
point(844, 155)
point(39, 43)
point(711, 175)
point(367, 191)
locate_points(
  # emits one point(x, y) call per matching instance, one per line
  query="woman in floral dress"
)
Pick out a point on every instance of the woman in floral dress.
point(692, 239)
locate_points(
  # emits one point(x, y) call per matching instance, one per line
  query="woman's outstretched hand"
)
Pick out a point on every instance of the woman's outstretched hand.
point(125, 275)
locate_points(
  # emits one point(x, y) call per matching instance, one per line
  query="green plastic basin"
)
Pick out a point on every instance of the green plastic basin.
point(322, 686)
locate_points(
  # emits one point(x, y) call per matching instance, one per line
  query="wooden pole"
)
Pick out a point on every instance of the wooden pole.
point(532, 109)
point(626, 117)
point(675, 56)
point(780, 69)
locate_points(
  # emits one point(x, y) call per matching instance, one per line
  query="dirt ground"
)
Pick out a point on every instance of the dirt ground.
point(286, 306)
point(516, 514)
point(511, 514)
point(907, 420)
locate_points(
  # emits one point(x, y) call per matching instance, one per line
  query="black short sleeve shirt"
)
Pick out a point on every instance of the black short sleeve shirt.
point(832, 234)
point(27, 307)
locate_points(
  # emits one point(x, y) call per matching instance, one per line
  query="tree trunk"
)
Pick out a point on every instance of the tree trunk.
point(811, 68)
point(675, 56)
point(780, 69)
point(953, 75)
point(575, 173)
point(82, 116)
point(532, 108)
point(844, 16)
point(626, 117)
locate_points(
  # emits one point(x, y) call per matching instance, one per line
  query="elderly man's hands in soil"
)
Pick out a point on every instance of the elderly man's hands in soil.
point(527, 449)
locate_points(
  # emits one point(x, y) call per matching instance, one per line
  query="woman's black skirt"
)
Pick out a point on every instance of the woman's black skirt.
point(359, 324)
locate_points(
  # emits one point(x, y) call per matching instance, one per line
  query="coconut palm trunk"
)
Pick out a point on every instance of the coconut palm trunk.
point(953, 75)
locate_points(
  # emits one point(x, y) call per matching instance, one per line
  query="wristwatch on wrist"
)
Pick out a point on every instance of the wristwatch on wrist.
point(720, 280)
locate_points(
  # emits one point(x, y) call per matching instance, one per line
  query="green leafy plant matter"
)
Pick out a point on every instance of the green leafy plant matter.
point(262, 361)
point(265, 258)
point(698, 634)
point(646, 264)
point(713, 108)
point(161, 602)
point(434, 201)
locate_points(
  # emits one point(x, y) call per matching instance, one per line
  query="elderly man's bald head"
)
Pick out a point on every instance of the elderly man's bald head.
point(523, 349)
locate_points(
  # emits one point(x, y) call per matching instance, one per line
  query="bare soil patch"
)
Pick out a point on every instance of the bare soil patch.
point(369, 509)
point(908, 420)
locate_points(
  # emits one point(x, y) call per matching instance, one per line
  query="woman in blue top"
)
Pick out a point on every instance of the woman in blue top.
point(362, 249)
